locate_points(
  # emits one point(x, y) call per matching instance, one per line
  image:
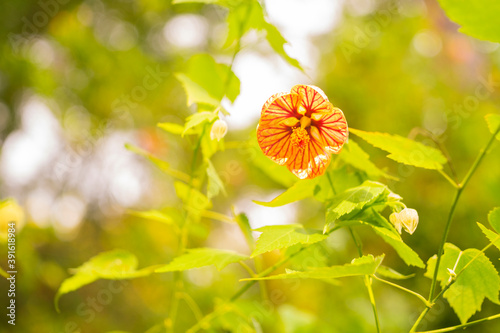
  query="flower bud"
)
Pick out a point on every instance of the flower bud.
point(219, 130)
point(406, 219)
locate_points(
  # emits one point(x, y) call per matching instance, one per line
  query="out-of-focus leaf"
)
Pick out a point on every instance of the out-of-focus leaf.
point(494, 219)
point(365, 265)
point(390, 273)
point(477, 18)
point(300, 190)
point(170, 218)
point(200, 257)
point(353, 199)
point(3, 273)
point(244, 224)
point(250, 15)
point(275, 237)
point(342, 180)
point(404, 150)
point(206, 81)
point(478, 281)
point(194, 200)
point(492, 236)
point(195, 93)
point(493, 121)
point(161, 164)
point(276, 172)
point(215, 184)
point(197, 119)
point(174, 128)
point(111, 265)
point(353, 154)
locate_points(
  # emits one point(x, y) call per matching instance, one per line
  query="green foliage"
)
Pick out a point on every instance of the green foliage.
point(390, 273)
point(300, 190)
point(492, 236)
point(170, 218)
point(249, 15)
point(244, 225)
point(112, 265)
point(275, 237)
point(353, 154)
point(353, 200)
point(365, 265)
point(194, 201)
point(478, 281)
point(207, 82)
point(215, 184)
point(200, 257)
point(493, 121)
point(477, 18)
point(404, 150)
point(197, 119)
point(494, 219)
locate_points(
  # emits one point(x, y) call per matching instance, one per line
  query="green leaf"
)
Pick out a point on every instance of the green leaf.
point(244, 225)
point(365, 265)
point(207, 82)
point(390, 273)
point(277, 42)
point(215, 184)
point(478, 281)
point(197, 119)
point(282, 236)
point(274, 171)
point(386, 231)
point(492, 236)
point(493, 121)
point(494, 219)
point(250, 15)
point(200, 257)
point(174, 128)
point(161, 164)
point(171, 218)
point(300, 190)
point(477, 18)
point(353, 199)
point(194, 200)
point(404, 150)
point(111, 265)
point(195, 93)
point(353, 154)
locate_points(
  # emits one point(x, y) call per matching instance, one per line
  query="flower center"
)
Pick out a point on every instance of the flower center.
point(300, 137)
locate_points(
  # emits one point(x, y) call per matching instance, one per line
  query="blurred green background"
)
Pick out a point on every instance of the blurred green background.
point(79, 79)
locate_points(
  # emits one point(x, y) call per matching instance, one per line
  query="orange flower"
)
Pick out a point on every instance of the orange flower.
point(301, 130)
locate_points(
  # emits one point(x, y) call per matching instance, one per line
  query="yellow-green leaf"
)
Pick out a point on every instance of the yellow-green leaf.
point(365, 265)
point(300, 190)
point(404, 150)
point(200, 257)
point(275, 237)
point(493, 121)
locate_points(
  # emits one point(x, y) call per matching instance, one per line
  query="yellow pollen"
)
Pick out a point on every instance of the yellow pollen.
point(300, 137)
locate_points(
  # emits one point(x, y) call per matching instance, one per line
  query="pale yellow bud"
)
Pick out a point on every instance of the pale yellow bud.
point(406, 219)
point(219, 130)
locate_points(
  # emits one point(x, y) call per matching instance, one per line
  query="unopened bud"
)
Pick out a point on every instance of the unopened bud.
point(219, 130)
point(406, 219)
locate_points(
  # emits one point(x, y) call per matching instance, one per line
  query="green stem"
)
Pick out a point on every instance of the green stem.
point(448, 178)
point(420, 297)
point(462, 326)
point(458, 193)
point(367, 280)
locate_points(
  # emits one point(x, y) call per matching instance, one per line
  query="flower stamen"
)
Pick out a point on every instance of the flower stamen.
point(300, 137)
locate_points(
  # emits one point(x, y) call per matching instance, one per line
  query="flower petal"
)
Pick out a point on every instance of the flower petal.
point(309, 162)
point(331, 130)
point(273, 133)
point(313, 99)
point(271, 99)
